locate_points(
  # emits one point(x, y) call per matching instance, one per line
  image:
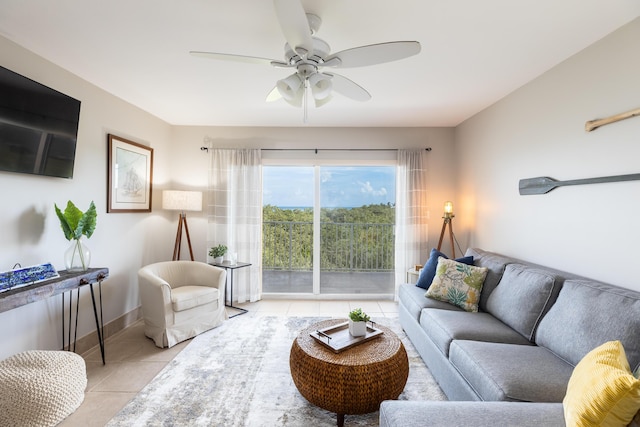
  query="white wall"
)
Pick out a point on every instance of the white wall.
point(31, 232)
point(538, 130)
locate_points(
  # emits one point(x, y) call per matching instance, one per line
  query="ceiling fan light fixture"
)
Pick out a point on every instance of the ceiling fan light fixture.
point(296, 101)
point(289, 87)
point(320, 102)
point(320, 86)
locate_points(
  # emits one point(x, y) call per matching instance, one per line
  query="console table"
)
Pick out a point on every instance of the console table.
point(67, 282)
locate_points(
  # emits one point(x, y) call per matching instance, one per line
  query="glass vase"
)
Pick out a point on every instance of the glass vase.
point(77, 257)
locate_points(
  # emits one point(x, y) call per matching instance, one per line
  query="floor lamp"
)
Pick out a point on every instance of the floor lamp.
point(448, 220)
point(182, 201)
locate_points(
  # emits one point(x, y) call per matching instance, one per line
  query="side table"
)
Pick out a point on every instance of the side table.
point(230, 268)
point(413, 275)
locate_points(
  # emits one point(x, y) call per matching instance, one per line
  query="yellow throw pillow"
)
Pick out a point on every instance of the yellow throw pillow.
point(602, 391)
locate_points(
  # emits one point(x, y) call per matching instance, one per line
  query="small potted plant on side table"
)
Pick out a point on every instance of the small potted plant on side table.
point(358, 322)
point(217, 252)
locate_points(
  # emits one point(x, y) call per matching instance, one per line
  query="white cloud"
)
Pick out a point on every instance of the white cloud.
point(367, 188)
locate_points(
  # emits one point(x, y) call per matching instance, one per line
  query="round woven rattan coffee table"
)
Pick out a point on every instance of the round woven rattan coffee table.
point(354, 381)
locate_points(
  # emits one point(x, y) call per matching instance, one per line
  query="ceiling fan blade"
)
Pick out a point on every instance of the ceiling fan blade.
point(240, 58)
point(373, 54)
point(294, 24)
point(348, 88)
point(274, 95)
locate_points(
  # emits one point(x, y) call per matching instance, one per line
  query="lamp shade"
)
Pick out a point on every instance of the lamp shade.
point(289, 87)
point(320, 85)
point(448, 208)
point(182, 200)
point(296, 101)
point(320, 102)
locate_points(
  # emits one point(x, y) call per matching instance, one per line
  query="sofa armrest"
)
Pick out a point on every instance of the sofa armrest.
point(399, 413)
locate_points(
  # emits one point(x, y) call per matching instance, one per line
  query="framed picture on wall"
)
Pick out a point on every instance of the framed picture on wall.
point(130, 175)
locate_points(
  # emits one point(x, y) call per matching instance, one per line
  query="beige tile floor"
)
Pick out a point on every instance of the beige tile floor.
point(133, 360)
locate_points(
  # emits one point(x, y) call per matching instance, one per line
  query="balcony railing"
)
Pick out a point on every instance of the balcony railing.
point(344, 247)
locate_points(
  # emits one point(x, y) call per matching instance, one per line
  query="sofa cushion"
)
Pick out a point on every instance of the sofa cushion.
point(402, 413)
point(587, 314)
point(522, 297)
point(186, 297)
point(511, 372)
point(412, 298)
point(496, 264)
point(444, 326)
point(457, 283)
point(602, 390)
point(428, 271)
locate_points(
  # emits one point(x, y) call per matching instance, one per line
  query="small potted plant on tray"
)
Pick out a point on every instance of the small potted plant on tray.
point(358, 322)
point(217, 252)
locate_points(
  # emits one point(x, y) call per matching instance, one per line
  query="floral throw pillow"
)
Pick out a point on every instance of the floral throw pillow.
point(458, 284)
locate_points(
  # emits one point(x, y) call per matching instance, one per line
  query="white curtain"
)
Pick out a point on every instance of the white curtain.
point(411, 212)
point(235, 214)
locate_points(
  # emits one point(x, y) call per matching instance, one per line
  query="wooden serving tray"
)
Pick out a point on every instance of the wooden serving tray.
point(338, 338)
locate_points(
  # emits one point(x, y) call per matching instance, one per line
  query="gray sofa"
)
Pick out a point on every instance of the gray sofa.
point(517, 353)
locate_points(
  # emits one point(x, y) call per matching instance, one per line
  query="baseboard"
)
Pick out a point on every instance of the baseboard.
point(89, 341)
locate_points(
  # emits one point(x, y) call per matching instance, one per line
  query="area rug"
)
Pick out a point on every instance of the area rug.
point(238, 375)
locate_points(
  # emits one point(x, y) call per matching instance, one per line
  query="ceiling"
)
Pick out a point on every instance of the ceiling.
point(473, 53)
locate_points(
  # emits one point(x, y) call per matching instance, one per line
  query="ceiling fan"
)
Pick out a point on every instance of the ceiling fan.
point(308, 54)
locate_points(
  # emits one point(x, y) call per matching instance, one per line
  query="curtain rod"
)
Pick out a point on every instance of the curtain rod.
point(324, 149)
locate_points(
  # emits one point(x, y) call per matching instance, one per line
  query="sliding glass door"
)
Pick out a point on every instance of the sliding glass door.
point(357, 216)
point(287, 229)
point(328, 229)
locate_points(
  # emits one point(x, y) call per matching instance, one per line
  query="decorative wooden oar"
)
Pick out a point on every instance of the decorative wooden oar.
point(595, 124)
point(544, 184)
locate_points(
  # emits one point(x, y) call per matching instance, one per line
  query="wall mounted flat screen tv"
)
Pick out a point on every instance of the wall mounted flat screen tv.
point(38, 127)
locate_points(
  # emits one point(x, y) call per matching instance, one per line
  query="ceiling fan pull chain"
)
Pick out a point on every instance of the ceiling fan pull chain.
point(305, 100)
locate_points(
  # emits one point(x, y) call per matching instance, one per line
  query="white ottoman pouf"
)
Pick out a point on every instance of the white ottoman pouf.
point(41, 388)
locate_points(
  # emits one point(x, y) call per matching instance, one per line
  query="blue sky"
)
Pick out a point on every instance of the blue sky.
point(340, 186)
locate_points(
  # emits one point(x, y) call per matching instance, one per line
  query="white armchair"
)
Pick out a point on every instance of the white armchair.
point(181, 299)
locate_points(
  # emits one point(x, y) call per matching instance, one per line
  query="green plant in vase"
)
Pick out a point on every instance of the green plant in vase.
point(217, 252)
point(358, 322)
point(76, 224)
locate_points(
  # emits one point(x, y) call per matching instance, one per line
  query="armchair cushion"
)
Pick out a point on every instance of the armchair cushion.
point(187, 297)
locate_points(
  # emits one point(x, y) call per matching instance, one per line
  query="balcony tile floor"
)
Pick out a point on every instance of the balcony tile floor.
point(133, 360)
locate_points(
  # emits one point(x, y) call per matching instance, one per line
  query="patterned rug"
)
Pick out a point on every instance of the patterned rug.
point(238, 375)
